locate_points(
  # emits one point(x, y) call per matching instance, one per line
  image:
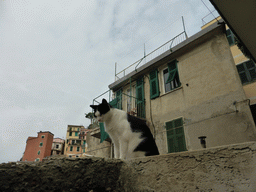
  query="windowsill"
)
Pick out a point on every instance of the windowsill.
point(249, 83)
point(172, 91)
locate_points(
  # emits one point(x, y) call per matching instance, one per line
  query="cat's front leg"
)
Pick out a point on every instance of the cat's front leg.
point(123, 149)
point(116, 150)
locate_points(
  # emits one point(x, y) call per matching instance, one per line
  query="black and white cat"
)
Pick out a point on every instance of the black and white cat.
point(130, 135)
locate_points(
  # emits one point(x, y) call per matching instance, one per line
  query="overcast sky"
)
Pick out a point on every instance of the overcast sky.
point(56, 56)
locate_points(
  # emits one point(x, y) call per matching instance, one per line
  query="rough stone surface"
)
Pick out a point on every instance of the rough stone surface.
point(66, 174)
point(226, 168)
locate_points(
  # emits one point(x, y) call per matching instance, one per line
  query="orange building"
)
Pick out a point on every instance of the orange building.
point(38, 147)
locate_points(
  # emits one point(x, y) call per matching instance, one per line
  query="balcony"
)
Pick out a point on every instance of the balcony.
point(127, 102)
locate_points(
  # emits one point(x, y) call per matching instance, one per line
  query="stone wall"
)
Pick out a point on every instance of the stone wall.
point(226, 168)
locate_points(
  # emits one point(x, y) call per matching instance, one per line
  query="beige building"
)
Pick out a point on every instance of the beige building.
point(58, 145)
point(245, 67)
point(76, 145)
point(190, 91)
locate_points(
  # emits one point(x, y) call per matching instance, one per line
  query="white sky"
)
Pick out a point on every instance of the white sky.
point(56, 56)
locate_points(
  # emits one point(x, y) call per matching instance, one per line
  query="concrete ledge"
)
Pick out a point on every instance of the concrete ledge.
point(226, 168)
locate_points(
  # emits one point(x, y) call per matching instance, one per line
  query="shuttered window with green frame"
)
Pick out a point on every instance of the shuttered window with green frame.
point(247, 71)
point(154, 85)
point(230, 37)
point(175, 136)
point(171, 76)
point(140, 98)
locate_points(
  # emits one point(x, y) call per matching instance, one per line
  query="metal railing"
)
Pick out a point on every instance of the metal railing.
point(128, 103)
point(153, 54)
point(210, 16)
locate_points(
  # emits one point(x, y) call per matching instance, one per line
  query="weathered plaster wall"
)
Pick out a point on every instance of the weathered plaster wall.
point(226, 168)
point(221, 169)
point(96, 148)
point(210, 86)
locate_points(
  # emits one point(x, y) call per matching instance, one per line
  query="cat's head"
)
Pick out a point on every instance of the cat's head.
point(101, 110)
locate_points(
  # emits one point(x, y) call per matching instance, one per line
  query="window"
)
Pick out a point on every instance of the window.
point(129, 100)
point(57, 146)
point(38, 153)
point(171, 77)
point(70, 133)
point(230, 37)
point(247, 71)
point(71, 148)
point(41, 144)
point(73, 142)
point(76, 133)
point(175, 136)
point(140, 97)
point(42, 136)
point(78, 149)
point(37, 159)
point(154, 86)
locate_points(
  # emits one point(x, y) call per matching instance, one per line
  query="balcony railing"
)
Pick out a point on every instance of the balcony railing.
point(128, 103)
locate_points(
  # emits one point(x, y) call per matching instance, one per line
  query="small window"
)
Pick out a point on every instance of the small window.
point(230, 37)
point(171, 77)
point(41, 144)
point(37, 159)
point(42, 136)
point(38, 153)
point(76, 133)
point(73, 142)
point(247, 71)
point(70, 133)
point(57, 146)
point(71, 148)
point(78, 149)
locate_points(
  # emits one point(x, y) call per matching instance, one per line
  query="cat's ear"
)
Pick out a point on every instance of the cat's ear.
point(104, 101)
point(94, 106)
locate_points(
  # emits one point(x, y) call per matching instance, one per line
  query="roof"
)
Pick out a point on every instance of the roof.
point(179, 49)
point(241, 18)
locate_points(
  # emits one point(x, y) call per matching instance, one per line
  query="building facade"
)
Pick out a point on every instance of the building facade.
point(58, 146)
point(190, 92)
point(76, 145)
point(246, 67)
point(38, 147)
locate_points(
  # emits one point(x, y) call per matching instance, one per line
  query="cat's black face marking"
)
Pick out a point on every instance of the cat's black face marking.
point(101, 109)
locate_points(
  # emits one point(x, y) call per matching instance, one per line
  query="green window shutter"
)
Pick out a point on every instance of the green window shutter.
point(113, 103)
point(76, 133)
point(103, 134)
point(247, 71)
point(251, 69)
point(119, 99)
point(71, 148)
point(173, 71)
point(140, 99)
point(242, 73)
point(230, 37)
point(175, 136)
point(154, 85)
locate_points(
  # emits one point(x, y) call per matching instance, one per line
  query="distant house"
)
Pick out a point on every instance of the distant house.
point(58, 146)
point(38, 147)
point(191, 91)
point(76, 145)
